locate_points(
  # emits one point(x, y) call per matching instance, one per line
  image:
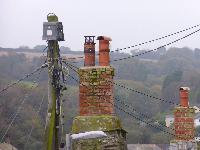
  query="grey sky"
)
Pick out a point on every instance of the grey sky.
point(127, 22)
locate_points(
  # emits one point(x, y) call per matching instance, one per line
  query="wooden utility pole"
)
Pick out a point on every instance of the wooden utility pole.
point(53, 96)
point(52, 32)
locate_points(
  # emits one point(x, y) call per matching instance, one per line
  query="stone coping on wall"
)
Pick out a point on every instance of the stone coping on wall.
point(96, 123)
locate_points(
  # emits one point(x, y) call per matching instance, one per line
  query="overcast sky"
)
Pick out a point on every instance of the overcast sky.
point(127, 22)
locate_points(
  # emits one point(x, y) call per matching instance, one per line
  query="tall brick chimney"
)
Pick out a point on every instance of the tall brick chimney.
point(96, 111)
point(184, 118)
point(96, 92)
point(104, 50)
point(89, 51)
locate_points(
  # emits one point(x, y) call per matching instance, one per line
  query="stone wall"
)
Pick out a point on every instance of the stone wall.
point(95, 123)
point(111, 125)
point(183, 145)
point(115, 140)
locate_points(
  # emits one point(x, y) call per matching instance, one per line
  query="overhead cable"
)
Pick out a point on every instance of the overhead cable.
point(143, 43)
point(32, 127)
point(148, 51)
point(127, 88)
point(19, 108)
point(25, 76)
point(163, 37)
point(129, 113)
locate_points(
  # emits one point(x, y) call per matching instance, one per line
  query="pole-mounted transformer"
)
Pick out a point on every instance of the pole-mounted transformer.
point(53, 32)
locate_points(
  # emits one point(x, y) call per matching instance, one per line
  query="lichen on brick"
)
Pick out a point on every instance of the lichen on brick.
point(96, 92)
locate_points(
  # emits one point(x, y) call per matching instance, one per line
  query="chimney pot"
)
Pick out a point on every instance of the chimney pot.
point(184, 96)
point(89, 51)
point(104, 50)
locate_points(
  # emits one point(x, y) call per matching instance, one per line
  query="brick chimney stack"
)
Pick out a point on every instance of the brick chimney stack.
point(104, 50)
point(89, 51)
point(96, 82)
point(96, 101)
point(184, 118)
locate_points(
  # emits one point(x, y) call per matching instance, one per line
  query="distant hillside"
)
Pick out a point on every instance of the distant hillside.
point(38, 52)
point(39, 49)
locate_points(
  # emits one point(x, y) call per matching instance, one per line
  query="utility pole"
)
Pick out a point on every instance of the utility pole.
point(53, 32)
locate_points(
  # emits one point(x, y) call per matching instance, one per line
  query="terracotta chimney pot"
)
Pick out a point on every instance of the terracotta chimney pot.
point(184, 91)
point(104, 50)
point(89, 51)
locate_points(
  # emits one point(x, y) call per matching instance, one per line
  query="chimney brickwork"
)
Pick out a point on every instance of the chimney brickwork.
point(96, 90)
point(184, 123)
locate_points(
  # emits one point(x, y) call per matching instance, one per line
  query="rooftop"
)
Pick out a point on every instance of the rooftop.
point(5, 146)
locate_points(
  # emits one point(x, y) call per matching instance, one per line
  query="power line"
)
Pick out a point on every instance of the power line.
point(71, 66)
point(19, 108)
point(45, 48)
point(16, 114)
point(133, 110)
point(144, 94)
point(12, 121)
point(131, 114)
point(26, 76)
point(157, 127)
point(127, 88)
point(139, 92)
point(143, 115)
point(143, 43)
point(13, 114)
point(32, 127)
point(145, 52)
point(124, 105)
point(150, 41)
point(140, 119)
point(128, 105)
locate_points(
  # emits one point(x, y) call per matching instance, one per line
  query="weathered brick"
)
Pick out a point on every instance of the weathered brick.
point(97, 95)
point(184, 123)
